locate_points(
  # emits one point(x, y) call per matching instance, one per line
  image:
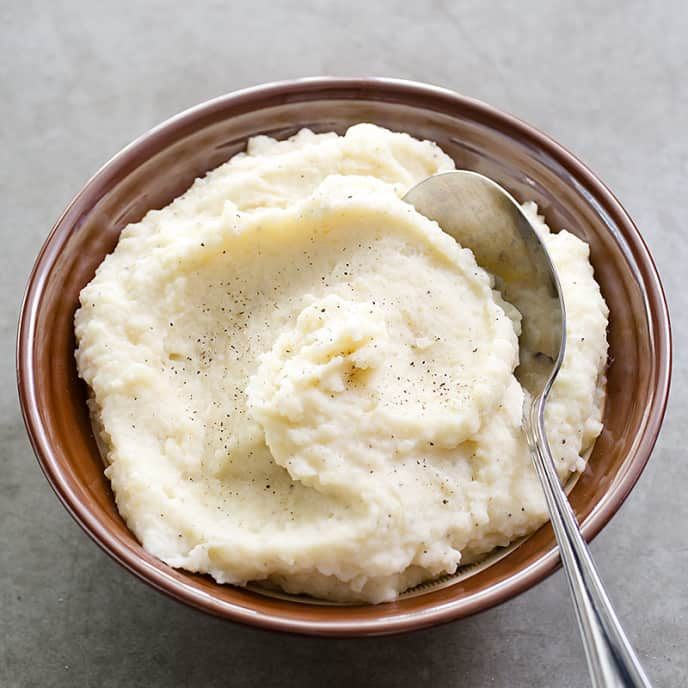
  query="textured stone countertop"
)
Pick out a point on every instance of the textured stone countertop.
point(81, 79)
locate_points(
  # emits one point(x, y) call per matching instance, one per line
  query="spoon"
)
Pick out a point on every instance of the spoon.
point(485, 218)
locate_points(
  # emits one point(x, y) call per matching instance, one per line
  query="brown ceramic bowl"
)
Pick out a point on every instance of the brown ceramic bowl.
point(160, 165)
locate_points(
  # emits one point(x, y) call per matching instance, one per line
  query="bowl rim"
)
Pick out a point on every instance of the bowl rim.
point(655, 307)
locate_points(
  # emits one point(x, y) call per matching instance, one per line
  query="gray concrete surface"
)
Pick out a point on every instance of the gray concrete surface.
point(80, 79)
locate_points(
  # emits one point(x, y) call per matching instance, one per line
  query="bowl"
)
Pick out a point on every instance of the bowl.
point(161, 164)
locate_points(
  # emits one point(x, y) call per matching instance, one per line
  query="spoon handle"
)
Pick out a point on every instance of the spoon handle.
point(611, 659)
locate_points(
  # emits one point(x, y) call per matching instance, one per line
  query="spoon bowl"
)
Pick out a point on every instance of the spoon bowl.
point(483, 216)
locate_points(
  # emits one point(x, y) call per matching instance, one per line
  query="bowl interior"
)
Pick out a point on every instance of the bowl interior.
point(153, 171)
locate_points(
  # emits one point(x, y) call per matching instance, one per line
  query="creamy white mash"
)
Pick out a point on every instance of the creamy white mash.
point(299, 379)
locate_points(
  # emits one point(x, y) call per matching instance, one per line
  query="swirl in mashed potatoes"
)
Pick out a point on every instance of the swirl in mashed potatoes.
point(299, 379)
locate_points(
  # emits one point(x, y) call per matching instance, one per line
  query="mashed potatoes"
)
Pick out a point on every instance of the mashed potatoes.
point(299, 379)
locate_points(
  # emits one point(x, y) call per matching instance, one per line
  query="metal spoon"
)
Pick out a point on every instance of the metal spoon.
point(485, 218)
